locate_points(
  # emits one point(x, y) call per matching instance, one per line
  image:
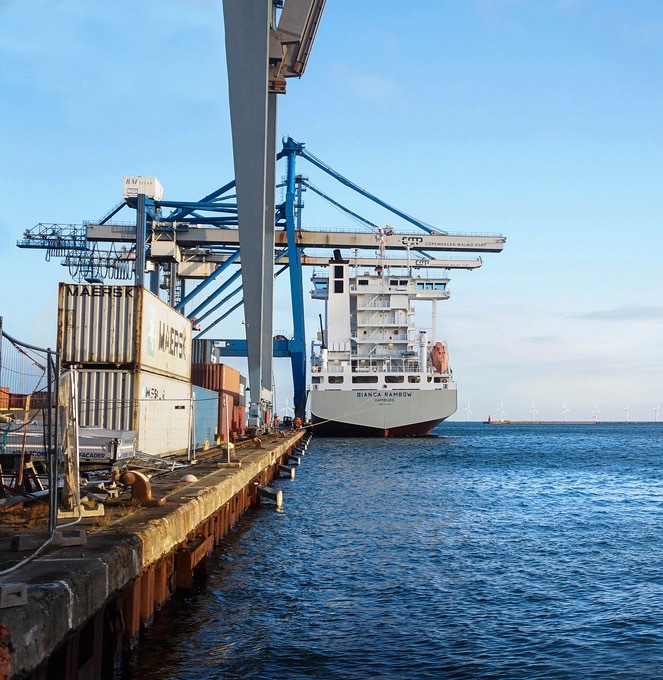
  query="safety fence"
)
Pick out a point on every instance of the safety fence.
point(29, 385)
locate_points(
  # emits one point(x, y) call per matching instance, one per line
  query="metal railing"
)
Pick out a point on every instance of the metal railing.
point(29, 385)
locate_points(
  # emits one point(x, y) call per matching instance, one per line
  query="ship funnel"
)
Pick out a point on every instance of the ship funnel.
point(423, 350)
point(337, 255)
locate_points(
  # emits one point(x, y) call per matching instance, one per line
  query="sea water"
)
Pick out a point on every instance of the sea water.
point(486, 551)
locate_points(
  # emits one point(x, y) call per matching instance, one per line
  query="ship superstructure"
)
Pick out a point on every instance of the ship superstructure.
point(373, 372)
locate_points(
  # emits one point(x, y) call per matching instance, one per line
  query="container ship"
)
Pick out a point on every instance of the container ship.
point(373, 372)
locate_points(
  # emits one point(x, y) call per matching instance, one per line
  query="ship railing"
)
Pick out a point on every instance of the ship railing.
point(377, 304)
point(335, 368)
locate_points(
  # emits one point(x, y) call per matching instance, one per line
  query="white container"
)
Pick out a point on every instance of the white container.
point(137, 184)
point(122, 327)
point(157, 408)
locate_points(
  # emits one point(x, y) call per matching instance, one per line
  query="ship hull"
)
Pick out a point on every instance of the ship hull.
point(380, 413)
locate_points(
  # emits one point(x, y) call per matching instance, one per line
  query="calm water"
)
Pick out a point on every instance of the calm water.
point(511, 551)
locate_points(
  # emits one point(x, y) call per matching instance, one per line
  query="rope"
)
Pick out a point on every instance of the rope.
point(347, 413)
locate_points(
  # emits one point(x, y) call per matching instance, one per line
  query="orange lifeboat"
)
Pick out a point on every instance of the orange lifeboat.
point(439, 357)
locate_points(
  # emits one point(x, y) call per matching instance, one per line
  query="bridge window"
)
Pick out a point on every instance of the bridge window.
point(394, 378)
point(414, 378)
point(364, 378)
point(335, 379)
point(363, 282)
point(316, 379)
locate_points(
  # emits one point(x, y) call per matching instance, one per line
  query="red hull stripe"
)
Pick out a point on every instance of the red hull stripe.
point(332, 428)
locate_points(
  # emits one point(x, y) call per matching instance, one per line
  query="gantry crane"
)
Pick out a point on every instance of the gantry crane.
point(203, 239)
point(261, 54)
point(199, 242)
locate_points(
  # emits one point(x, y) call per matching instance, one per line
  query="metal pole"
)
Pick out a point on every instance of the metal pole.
point(225, 406)
point(53, 382)
point(140, 240)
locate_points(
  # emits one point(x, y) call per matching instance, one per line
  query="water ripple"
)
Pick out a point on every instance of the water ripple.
point(491, 552)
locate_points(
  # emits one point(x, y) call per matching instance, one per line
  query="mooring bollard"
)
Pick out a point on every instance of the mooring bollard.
point(273, 494)
point(290, 471)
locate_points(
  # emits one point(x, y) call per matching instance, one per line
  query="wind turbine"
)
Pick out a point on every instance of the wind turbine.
point(656, 412)
point(626, 408)
point(533, 411)
point(564, 411)
point(596, 413)
point(467, 412)
point(500, 410)
point(287, 409)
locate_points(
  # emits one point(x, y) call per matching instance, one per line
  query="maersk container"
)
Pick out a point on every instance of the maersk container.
point(122, 327)
point(106, 399)
point(156, 407)
point(164, 419)
point(205, 417)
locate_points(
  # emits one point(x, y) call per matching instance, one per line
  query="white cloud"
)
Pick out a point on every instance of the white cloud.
point(374, 87)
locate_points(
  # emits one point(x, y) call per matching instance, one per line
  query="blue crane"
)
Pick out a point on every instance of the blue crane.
point(204, 233)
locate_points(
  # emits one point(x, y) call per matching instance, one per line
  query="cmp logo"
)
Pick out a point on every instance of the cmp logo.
point(412, 240)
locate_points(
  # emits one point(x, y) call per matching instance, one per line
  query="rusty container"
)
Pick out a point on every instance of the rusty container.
point(218, 377)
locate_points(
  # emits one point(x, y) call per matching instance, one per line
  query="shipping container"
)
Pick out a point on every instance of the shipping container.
point(164, 417)
point(36, 400)
point(122, 327)
point(242, 391)
point(201, 352)
point(156, 407)
point(137, 184)
point(205, 417)
point(207, 351)
point(226, 417)
point(239, 421)
point(106, 399)
point(218, 377)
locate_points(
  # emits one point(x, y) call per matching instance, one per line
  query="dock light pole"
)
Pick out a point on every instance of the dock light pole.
point(225, 408)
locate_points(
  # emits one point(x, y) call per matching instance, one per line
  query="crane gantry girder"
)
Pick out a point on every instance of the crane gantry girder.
point(370, 262)
point(192, 237)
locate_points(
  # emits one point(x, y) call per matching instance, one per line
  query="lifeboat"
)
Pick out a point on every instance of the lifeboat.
point(439, 358)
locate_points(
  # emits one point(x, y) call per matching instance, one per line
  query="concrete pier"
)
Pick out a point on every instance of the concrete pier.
point(86, 603)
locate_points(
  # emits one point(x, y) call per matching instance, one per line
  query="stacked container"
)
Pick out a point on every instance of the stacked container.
point(206, 417)
point(133, 352)
point(230, 385)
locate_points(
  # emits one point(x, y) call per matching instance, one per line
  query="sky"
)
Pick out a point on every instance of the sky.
point(536, 119)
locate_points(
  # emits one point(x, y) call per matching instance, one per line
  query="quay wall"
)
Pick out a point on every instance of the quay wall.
point(88, 603)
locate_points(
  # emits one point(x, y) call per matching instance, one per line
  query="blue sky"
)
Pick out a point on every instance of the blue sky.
point(540, 120)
